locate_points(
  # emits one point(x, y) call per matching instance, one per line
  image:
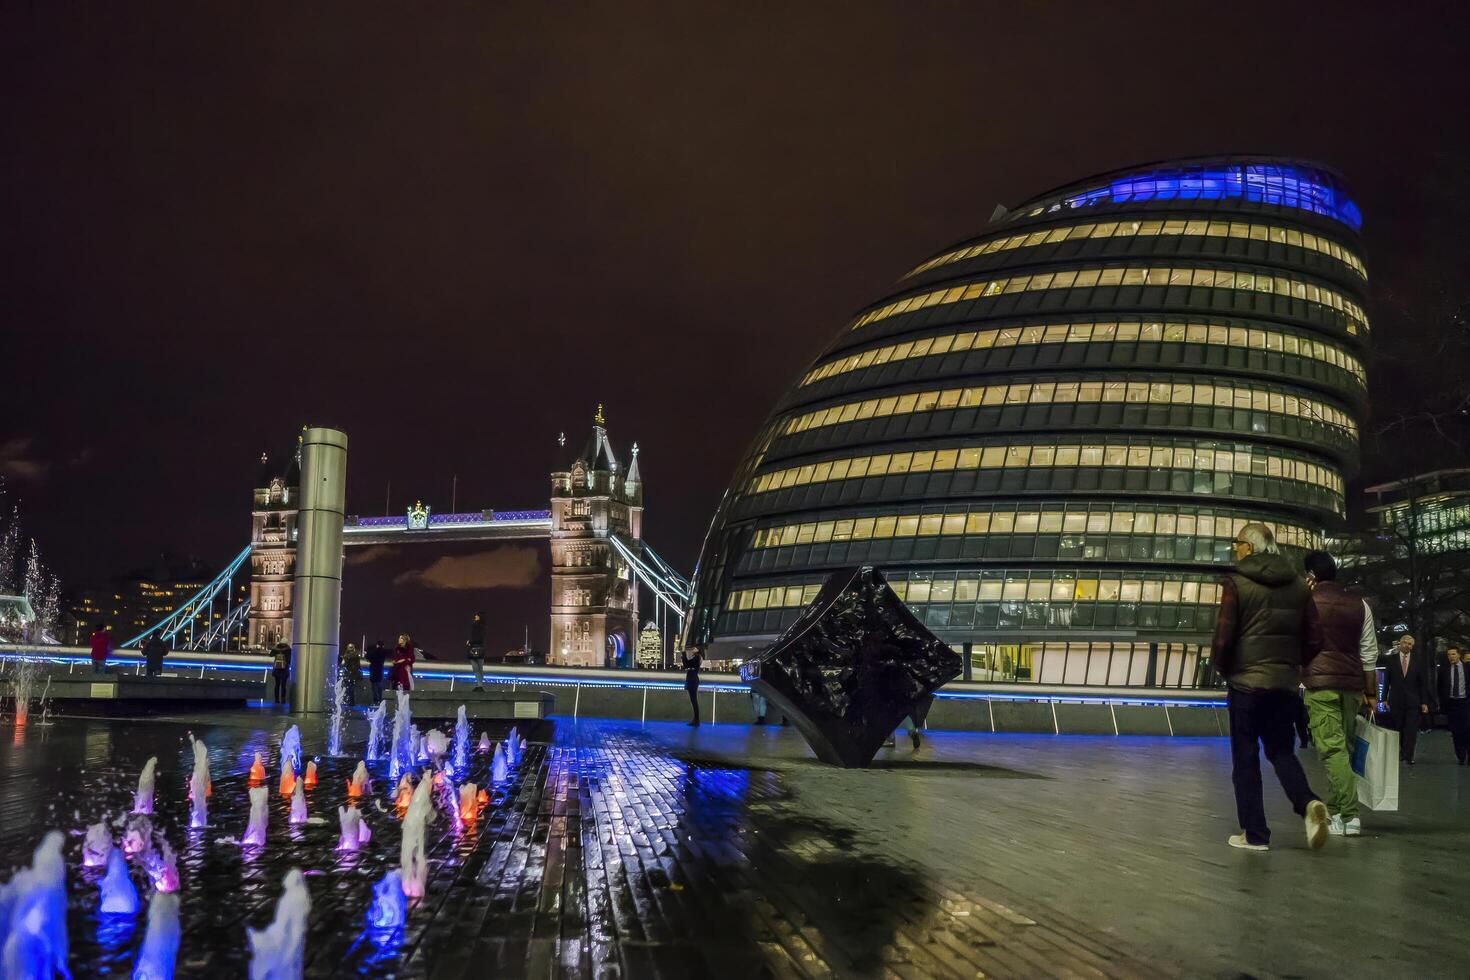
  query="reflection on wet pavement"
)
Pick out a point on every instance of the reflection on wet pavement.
point(602, 855)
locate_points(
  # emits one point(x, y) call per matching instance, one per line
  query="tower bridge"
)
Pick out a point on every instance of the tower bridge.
point(600, 563)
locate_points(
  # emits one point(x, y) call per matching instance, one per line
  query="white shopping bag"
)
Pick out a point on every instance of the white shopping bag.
point(1375, 755)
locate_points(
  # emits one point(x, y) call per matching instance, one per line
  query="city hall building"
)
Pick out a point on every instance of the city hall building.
point(1047, 436)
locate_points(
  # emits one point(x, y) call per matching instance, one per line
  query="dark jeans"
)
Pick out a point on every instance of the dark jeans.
point(99, 666)
point(280, 677)
point(1267, 718)
point(377, 682)
point(1406, 719)
point(1458, 713)
point(1303, 722)
point(694, 702)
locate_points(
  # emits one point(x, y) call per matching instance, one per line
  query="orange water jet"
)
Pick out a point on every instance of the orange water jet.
point(257, 771)
point(404, 793)
point(288, 782)
point(310, 779)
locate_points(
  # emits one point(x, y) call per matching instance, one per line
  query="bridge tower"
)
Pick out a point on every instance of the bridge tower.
point(594, 598)
point(272, 556)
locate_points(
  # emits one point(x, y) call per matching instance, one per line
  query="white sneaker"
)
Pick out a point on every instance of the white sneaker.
point(1354, 827)
point(1316, 822)
point(1239, 841)
point(1334, 826)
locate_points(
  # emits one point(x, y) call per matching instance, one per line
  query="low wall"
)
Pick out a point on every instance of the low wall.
point(659, 695)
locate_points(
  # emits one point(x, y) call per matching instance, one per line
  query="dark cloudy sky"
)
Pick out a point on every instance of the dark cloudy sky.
point(453, 229)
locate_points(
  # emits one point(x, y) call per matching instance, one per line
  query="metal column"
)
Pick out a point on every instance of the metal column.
point(318, 599)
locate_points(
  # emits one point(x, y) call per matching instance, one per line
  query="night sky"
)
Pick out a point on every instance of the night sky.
point(452, 233)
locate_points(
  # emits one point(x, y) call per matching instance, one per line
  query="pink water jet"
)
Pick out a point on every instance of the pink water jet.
point(199, 787)
point(255, 825)
point(355, 831)
point(162, 866)
point(298, 804)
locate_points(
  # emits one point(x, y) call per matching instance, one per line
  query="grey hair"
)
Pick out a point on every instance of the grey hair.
point(1260, 538)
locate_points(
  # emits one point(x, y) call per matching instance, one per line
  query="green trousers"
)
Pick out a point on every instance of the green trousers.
point(1331, 716)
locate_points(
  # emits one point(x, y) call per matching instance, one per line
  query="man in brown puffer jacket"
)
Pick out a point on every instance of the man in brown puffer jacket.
point(1262, 636)
point(1341, 681)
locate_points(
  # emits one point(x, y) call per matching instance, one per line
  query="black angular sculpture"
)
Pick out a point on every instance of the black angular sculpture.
point(851, 667)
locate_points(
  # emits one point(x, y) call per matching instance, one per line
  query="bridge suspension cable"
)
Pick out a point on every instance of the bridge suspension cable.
point(200, 603)
point(667, 585)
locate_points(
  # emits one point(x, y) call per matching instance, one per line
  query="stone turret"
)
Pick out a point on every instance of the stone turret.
point(594, 596)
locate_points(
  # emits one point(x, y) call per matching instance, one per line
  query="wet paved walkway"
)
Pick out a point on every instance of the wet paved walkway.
point(659, 851)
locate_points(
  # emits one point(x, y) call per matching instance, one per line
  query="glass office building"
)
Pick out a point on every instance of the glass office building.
point(1047, 436)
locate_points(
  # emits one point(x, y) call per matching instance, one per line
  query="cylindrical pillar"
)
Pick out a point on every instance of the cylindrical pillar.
point(318, 597)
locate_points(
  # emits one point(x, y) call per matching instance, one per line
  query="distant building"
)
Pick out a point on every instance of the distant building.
point(272, 555)
point(1431, 510)
point(136, 600)
point(650, 647)
point(594, 601)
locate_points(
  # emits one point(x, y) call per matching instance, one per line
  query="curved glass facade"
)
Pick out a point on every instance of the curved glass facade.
point(1049, 434)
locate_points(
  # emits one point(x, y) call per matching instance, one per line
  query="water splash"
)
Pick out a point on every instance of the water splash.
point(461, 742)
point(277, 952)
point(199, 787)
point(254, 835)
point(310, 778)
point(513, 746)
point(257, 771)
point(143, 798)
point(162, 865)
point(389, 909)
point(336, 714)
point(290, 756)
point(403, 792)
point(469, 804)
point(160, 949)
point(359, 783)
point(484, 745)
point(436, 745)
point(22, 687)
point(118, 894)
point(298, 804)
point(446, 797)
point(97, 846)
point(413, 861)
point(138, 836)
point(416, 748)
point(34, 933)
point(354, 830)
point(376, 717)
point(401, 749)
point(497, 764)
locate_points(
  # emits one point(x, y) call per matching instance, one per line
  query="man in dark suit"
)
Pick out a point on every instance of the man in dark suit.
point(1408, 694)
point(1454, 701)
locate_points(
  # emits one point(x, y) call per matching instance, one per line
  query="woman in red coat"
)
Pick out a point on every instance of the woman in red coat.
point(403, 661)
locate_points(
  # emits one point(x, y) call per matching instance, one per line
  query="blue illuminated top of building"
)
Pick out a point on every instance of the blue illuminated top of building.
point(1278, 184)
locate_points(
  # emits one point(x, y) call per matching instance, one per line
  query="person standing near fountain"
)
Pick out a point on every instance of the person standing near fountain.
point(403, 660)
point(281, 669)
point(101, 648)
point(348, 669)
point(476, 644)
point(153, 653)
point(377, 656)
point(693, 657)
